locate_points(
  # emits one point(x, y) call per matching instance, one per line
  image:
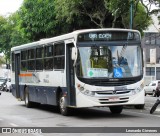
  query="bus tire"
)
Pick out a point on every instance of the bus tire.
point(116, 109)
point(64, 110)
point(140, 106)
point(28, 103)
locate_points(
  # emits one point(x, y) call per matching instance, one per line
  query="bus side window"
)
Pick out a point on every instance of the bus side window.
point(48, 57)
point(24, 61)
point(59, 59)
point(31, 59)
point(39, 58)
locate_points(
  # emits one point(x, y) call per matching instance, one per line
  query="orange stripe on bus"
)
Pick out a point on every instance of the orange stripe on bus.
point(24, 75)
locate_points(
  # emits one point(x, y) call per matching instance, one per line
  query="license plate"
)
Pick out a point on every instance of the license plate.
point(114, 99)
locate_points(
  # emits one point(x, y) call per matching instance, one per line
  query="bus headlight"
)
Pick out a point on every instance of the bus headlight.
point(80, 87)
point(138, 89)
point(90, 93)
point(135, 91)
point(85, 91)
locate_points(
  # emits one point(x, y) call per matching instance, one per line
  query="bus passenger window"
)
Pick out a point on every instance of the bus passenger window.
point(31, 59)
point(58, 62)
point(31, 54)
point(39, 58)
point(23, 65)
point(48, 64)
point(48, 57)
point(24, 61)
point(31, 65)
point(59, 59)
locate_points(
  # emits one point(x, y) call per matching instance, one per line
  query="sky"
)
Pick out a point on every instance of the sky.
point(9, 6)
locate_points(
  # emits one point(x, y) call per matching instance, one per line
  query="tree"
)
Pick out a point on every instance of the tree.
point(148, 4)
point(118, 8)
point(5, 31)
point(18, 35)
point(38, 19)
point(103, 13)
point(11, 34)
point(140, 19)
point(2, 61)
point(95, 10)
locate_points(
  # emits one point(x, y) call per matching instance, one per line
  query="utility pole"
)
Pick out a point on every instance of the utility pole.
point(131, 14)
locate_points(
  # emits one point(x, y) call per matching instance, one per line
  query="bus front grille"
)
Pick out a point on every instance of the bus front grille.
point(108, 101)
point(113, 102)
point(111, 92)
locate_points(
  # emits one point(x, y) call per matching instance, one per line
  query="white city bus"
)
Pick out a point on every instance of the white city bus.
point(85, 68)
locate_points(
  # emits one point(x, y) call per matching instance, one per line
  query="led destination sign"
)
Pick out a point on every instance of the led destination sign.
point(108, 36)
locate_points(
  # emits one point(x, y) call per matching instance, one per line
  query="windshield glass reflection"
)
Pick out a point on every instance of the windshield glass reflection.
point(109, 61)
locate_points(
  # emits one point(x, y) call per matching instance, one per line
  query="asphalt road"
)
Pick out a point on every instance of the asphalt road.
point(13, 113)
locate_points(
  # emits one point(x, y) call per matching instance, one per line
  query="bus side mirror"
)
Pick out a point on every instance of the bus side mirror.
point(74, 53)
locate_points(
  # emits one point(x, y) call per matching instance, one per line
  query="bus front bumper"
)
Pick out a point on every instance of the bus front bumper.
point(109, 100)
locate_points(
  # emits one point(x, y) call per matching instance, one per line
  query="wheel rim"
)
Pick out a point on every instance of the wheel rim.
point(26, 99)
point(62, 104)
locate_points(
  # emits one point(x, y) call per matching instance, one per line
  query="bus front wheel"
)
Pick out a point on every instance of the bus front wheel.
point(116, 109)
point(64, 110)
point(140, 106)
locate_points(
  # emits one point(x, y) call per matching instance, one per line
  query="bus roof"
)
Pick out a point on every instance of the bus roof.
point(71, 35)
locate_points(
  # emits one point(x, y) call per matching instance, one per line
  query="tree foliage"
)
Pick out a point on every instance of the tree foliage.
point(149, 4)
point(103, 13)
point(18, 35)
point(140, 19)
point(38, 18)
point(5, 31)
point(10, 34)
point(94, 10)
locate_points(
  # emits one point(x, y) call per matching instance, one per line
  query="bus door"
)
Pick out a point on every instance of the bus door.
point(17, 72)
point(70, 79)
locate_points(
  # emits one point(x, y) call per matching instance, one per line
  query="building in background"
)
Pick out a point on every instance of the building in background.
point(151, 48)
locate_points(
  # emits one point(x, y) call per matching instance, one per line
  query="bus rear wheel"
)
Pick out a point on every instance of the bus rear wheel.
point(64, 110)
point(28, 103)
point(116, 109)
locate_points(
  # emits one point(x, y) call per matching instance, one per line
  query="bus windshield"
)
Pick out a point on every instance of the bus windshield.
point(105, 61)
